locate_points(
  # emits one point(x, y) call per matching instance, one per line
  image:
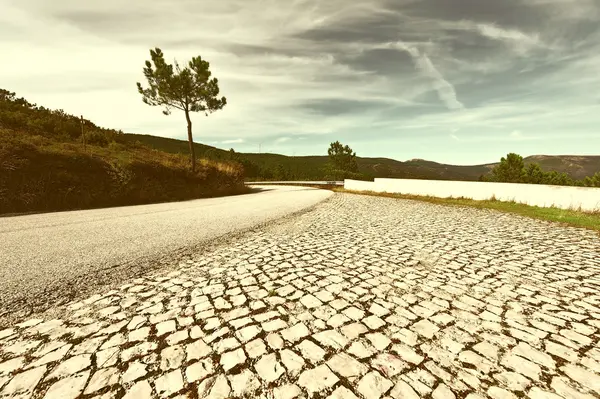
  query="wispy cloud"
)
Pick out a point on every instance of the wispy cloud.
point(518, 40)
point(371, 71)
point(234, 141)
point(516, 134)
point(423, 63)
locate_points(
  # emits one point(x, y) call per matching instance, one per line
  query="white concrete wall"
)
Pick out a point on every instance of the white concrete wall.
point(359, 185)
point(566, 197)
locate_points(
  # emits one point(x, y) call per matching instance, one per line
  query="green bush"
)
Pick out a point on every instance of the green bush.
point(96, 138)
point(64, 177)
point(593, 181)
point(44, 167)
point(513, 170)
point(20, 115)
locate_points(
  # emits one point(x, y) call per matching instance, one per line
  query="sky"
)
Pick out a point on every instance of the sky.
point(453, 81)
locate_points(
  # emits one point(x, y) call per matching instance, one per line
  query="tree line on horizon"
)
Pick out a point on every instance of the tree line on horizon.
point(28, 119)
point(20, 115)
point(191, 89)
point(512, 169)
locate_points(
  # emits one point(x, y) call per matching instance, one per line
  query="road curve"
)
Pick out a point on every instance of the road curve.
point(46, 256)
point(363, 296)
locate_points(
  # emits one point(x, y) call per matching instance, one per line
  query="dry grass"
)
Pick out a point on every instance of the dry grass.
point(570, 217)
point(38, 174)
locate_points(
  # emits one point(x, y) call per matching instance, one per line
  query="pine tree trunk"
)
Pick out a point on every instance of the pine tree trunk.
point(191, 140)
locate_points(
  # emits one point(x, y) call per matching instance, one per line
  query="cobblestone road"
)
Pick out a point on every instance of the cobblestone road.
point(362, 297)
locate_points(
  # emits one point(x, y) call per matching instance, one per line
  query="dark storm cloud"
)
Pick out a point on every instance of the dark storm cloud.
point(242, 49)
point(368, 28)
point(108, 21)
point(508, 13)
point(323, 67)
point(332, 107)
point(383, 61)
point(470, 45)
point(464, 46)
point(418, 24)
point(253, 50)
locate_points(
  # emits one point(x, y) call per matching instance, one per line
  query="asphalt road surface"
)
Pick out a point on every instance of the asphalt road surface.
point(48, 259)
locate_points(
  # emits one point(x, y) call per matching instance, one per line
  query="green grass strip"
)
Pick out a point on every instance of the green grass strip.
point(575, 218)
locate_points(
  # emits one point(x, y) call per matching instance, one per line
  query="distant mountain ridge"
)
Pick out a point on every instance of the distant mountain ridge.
point(577, 166)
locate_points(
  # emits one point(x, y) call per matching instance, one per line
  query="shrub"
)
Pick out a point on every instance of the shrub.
point(43, 166)
point(96, 138)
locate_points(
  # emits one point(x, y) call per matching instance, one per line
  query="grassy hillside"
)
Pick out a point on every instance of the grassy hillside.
point(258, 166)
point(575, 166)
point(262, 166)
point(434, 170)
point(172, 146)
point(45, 167)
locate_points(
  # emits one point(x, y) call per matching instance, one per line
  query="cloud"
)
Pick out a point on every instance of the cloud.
point(445, 90)
point(516, 134)
point(341, 106)
point(326, 70)
point(234, 141)
point(498, 33)
point(282, 139)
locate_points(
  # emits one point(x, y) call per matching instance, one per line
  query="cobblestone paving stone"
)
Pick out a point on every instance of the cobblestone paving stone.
point(361, 298)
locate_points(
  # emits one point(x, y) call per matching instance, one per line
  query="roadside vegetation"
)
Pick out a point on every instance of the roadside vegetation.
point(512, 169)
point(277, 167)
point(340, 164)
point(588, 220)
point(186, 89)
point(53, 161)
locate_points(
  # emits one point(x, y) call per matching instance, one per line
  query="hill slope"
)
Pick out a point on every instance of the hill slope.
point(576, 166)
point(44, 165)
point(310, 167)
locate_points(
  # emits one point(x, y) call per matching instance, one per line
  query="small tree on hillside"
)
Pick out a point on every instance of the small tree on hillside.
point(232, 155)
point(534, 174)
point(558, 179)
point(280, 173)
point(510, 170)
point(593, 181)
point(342, 158)
point(188, 89)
